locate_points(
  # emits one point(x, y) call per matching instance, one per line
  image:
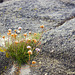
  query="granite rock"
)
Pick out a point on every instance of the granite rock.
point(58, 42)
point(57, 56)
point(4, 62)
point(30, 14)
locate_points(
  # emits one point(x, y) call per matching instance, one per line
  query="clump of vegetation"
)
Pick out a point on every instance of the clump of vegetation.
point(22, 47)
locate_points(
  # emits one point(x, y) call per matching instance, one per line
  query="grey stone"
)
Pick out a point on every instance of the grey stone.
point(4, 62)
point(58, 51)
point(31, 14)
point(62, 41)
point(68, 1)
point(58, 17)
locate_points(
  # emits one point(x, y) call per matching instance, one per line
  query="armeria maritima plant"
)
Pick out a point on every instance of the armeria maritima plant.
point(22, 49)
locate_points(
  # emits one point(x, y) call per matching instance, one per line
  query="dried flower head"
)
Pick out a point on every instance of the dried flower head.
point(3, 37)
point(15, 35)
point(12, 35)
point(33, 62)
point(29, 32)
point(28, 47)
point(35, 33)
point(16, 42)
point(19, 28)
point(29, 52)
point(34, 40)
point(9, 33)
point(9, 30)
point(15, 31)
point(25, 34)
point(42, 26)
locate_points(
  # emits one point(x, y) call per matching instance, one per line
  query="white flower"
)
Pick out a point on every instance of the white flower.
point(29, 47)
point(19, 28)
point(9, 30)
point(18, 32)
point(29, 32)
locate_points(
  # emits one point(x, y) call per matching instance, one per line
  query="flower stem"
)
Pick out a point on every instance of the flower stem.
point(29, 57)
point(8, 40)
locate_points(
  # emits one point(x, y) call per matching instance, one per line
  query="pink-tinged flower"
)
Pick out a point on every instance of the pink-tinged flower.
point(19, 28)
point(29, 47)
point(29, 52)
point(29, 32)
point(37, 49)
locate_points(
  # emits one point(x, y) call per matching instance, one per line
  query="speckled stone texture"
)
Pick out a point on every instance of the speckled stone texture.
point(4, 62)
point(58, 51)
point(30, 14)
point(58, 17)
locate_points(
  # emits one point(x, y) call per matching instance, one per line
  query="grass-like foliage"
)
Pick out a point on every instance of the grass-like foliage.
point(22, 47)
point(19, 51)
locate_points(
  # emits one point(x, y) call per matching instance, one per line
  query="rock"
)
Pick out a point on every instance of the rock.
point(58, 51)
point(69, 1)
point(25, 69)
point(62, 41)
point(4, 62)
point(58, 42)
point(49, 66)
point(31, 14)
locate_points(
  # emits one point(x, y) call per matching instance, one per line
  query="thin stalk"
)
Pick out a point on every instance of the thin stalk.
point(8, 40)
point(29, 57)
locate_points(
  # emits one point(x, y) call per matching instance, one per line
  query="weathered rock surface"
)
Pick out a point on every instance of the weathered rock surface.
point(69, 1)
point(31, 14)
point(4, 62)
point(58, 52)
point(59, 45)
